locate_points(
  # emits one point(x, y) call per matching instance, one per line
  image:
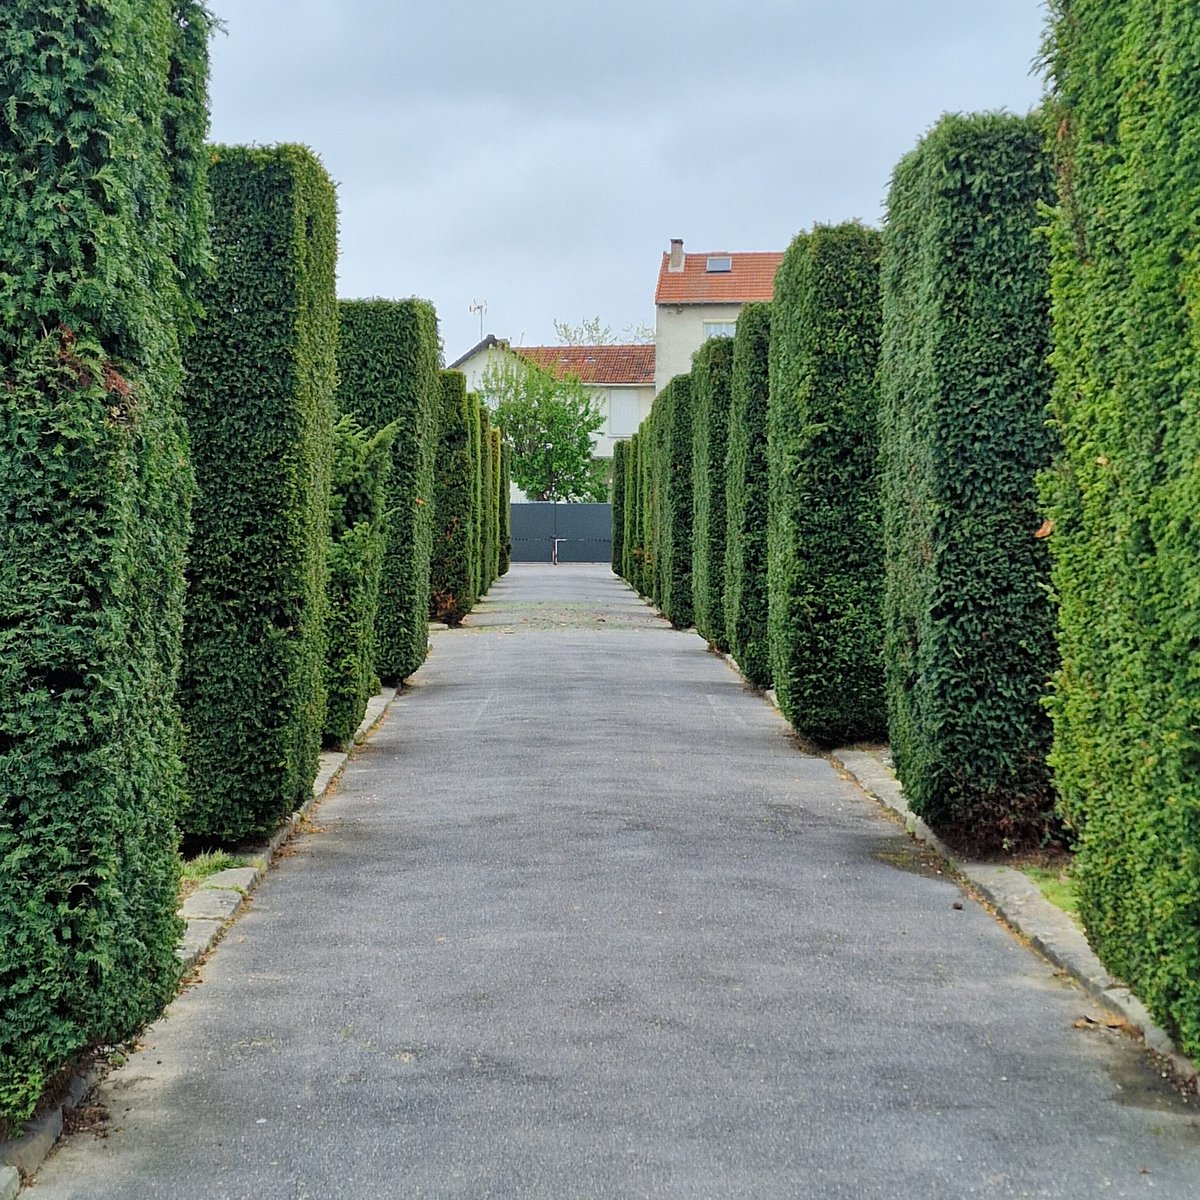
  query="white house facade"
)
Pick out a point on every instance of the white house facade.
point(619, 377)
point(700, 296)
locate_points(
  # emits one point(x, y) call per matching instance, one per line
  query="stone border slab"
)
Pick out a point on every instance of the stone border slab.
point(208, 911)
point(1018, 901)
point(221, 895)
point(1020, 904)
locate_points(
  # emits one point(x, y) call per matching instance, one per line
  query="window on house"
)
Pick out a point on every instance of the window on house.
point(719, 263)
point(714, 329)
point(622, 414)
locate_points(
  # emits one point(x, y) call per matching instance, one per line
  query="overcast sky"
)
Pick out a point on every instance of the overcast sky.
point(539, 156)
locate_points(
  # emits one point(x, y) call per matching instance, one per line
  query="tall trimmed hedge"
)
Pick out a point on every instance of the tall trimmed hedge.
point(969, 629)
point(648, 464)
point(362, 464)
point(747, 485)
point(494, 501)
point(259, 403)
point(505, 490)
point(674, 403)
point(475, 408)
point(825, 550)
point(388, 363)
point(633, 510)
point(620, 450)
point(450, 573)
point(487, 502)
point(712, 369)
point(103, 223)
point(1124, 496)
point(260, 414)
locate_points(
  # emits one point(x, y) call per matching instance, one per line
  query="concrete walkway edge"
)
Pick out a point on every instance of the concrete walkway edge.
point(1020, 904)
point(208, 911)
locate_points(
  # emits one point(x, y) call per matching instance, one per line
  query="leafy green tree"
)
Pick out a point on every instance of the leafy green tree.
point(549, 423)
point(591, 331)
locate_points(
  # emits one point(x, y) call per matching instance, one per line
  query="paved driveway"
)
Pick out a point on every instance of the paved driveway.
point(582, 920)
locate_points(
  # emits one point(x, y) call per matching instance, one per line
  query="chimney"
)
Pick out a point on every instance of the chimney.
point(675, 262)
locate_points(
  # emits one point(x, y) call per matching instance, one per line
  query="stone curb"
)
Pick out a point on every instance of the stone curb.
point(1019, 902)
point(209, 911)
point(20, 1157)
point(220, 897)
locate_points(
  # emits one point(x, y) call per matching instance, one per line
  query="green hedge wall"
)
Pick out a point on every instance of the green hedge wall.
point(451, 585)
point(676, 413)
point(620, 450)
point(969, 630)
point(388, 363)
point(494, 502)
point(629, 541)
point(103, 221)
point(259, 403)
point(825, 551)
point(746, 491)
point(487, 498)
point(475, 407)
point(633, 510)
point(712, 370)
point(505, 507)
point(362, 464)
point(1125, 494)
point(649, 464)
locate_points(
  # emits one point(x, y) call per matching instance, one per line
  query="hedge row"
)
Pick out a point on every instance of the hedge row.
point(711, 378)
point(362, 467)
point(629, 534)
point(620, 451)
point(126, 715)
point(95, 139)
point(956, 290)
point(259, 402)
point(825, 571)
point(472, 533)
point(388, 366)
point(452, 573)
point(505, 507)
point(965, 382)
point(675, 587)
point(487, 493)
point(746, 491)
point(474, 404)
point(1124, 495)
point(493, 505)
point(649, 496)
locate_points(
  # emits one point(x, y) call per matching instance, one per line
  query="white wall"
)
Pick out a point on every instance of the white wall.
point(625, 407)
point(475, 366)
point(679, 333)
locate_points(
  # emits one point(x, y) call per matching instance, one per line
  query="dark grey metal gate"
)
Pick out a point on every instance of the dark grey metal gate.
point(581, 532)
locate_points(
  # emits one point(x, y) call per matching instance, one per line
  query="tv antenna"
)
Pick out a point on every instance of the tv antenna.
point(479, 306)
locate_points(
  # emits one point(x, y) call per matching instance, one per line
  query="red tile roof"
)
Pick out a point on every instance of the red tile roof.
point(752, 278)
point(629, 364)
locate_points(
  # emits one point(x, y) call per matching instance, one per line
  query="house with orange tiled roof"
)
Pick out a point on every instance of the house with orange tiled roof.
point(699, 296)
point(619, 377)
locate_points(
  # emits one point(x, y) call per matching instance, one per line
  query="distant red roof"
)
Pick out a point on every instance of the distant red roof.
point(750, 277)
point(628, 364)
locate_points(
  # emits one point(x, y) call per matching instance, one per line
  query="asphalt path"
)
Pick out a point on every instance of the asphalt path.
point(582, 919)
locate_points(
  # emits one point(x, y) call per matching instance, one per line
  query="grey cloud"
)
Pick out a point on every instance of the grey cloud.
point(540, 155)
